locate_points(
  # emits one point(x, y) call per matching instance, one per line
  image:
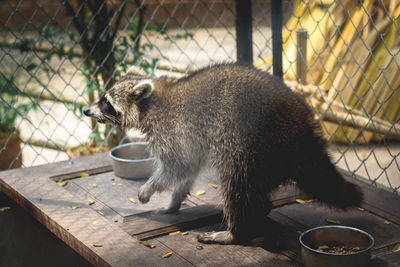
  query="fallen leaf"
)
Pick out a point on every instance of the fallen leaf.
point(84, 174)
point(63, 183)
point(75, 207)
point(332, 221)
point(119, 184)
point(97, 245)
point(298, 200)
point(95, 222)
point(167, 255)
point(131, 199)
point(321, 248)
point(113, 184)
point(396, 248)
point(213, 186)
point(258, 240)
point(387, 222)
point(146, 244)
point(4, 209)
point(100, 212)
point(90, 202)
point(94, 185)
point(310, 200)
point(185, 233)
point(360, 209)
point(200, 192)
point(174, 233)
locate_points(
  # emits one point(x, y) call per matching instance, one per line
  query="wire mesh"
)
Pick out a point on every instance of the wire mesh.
point(58, 56)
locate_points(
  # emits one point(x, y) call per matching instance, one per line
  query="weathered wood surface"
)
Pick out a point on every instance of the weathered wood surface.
point(115, 222)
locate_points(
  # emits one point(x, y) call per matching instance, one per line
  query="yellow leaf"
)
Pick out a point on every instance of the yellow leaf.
point(386, 222)
point(321, 248)
point(113, 184)
point(97, 245)
point(146, 244)
point(63, 183)
point(309, 200)
point(100, 212)
point(94, 185)
point(119, 184)
point(167, 255)
point(213, 186)
point(95, 222)
point(258, 240)
point(174, 233)
point(90, 202)
point(4, 208)
point(200, 192)
point(332, 221)
point(361, 209)
point(300, 201)
point(396, 248)
point(185, 233)
point(131, 199)
point(75, 207)
point(84, 174)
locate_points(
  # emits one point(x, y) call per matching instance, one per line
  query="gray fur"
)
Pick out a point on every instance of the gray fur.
point(241, 121)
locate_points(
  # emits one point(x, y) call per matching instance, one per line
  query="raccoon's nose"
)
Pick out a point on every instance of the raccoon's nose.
point(86, 111)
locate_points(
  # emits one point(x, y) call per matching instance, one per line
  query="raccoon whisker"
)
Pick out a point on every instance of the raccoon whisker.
point(112, 119)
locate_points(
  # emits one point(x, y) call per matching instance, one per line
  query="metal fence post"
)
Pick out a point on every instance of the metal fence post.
point(244, 38)
point(276, 10)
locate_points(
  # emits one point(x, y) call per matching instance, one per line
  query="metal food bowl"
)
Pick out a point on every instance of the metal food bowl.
point(132, 160)
point(311, 239)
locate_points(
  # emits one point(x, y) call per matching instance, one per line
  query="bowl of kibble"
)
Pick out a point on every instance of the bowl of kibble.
point(335, 245)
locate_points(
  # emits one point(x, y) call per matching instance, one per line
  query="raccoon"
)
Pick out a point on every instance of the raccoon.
point(247, 125)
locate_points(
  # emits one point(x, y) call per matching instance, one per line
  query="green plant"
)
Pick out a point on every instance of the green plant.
point(10, 105)
point(105, 45)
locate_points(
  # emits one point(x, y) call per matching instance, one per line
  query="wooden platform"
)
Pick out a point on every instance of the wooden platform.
point(106, 232)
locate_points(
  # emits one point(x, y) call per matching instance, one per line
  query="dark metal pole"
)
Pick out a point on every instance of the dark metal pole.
point(276, 10)
point(244, 38)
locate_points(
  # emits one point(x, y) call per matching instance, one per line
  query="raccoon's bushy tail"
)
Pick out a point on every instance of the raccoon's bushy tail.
point(319, 178)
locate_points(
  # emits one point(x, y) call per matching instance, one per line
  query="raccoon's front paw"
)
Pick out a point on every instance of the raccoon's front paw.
point(145, 193)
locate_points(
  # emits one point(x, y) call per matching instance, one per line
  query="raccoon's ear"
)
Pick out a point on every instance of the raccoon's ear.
point(135, 70)
point(142, 90)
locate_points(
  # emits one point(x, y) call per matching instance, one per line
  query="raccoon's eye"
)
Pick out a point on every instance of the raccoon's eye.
point(106, 107)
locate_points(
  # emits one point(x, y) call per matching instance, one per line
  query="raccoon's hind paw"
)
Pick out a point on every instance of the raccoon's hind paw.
point(173, 210)
point(222, 237)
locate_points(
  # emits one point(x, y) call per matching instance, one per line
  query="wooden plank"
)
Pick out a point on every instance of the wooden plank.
point(77, 174)
point(221, 255)
point(75, 165)
point(115, 192)
point(50, 205)
point(150, 225)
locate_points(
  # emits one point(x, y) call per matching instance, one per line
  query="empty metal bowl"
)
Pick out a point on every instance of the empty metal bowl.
point(311, 239)
point(132, 160)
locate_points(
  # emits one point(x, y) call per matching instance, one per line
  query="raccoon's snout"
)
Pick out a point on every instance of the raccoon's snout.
point(86, 111)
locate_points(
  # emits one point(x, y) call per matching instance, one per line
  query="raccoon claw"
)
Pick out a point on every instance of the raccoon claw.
point(223, 237)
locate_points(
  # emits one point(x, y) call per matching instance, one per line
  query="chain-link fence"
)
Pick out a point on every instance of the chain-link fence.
point(58, 56)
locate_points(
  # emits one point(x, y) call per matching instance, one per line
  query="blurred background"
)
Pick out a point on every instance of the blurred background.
point(57, 57)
